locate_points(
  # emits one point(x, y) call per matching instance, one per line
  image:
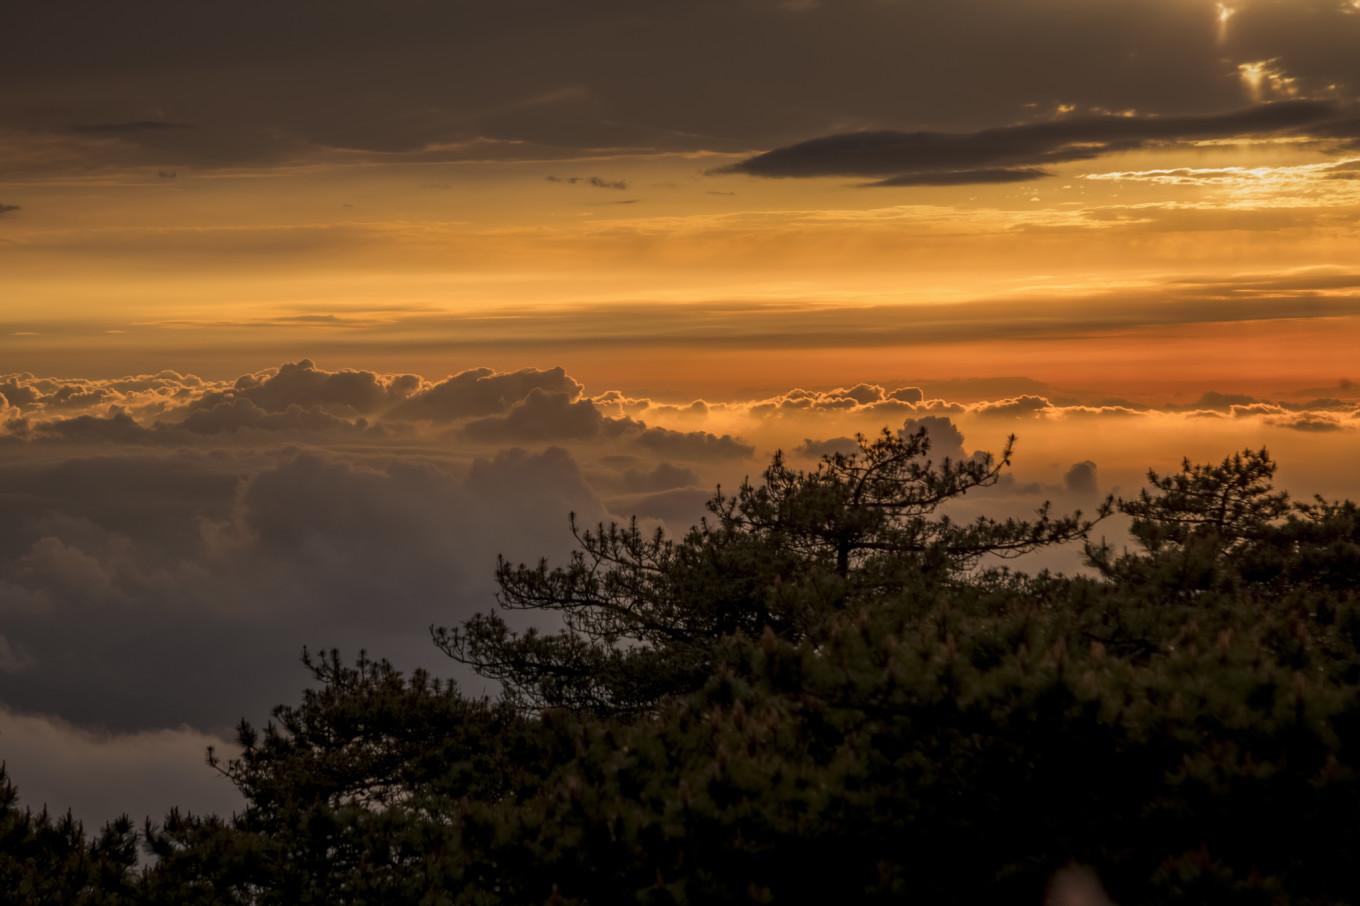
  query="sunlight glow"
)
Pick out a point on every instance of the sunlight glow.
point(1263, 78)
point(1225, 13)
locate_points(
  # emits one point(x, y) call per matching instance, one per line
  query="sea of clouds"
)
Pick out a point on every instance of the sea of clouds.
point(170, 543)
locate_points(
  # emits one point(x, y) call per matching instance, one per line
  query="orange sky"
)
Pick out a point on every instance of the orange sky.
point(197, 222)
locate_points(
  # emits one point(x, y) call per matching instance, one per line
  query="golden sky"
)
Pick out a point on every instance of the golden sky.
point(1140, 198)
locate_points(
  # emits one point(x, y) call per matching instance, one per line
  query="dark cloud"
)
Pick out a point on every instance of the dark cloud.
point(693, 445)
point(215, 568)
point(9, 208)
point(535, 79)
point(116, 428)
point(663, 477)
point(816, 449)
point(241, 414)
point(482, 391)
point(299, 400)
point(303, 384)
point(678, 508)
point(999, 175)
point(1312, 422)
point(17, 393)
point(545, 416)
point(1009, 153)
point(946, 440)
point(1081, 479)
point(598, 182)
point(1221, 402)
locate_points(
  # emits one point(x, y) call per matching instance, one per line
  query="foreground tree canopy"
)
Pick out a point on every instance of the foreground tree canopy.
point(828, 691)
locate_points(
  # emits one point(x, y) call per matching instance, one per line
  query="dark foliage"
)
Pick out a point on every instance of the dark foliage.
point(831, 692)
point(643, 614)
point(51, 860)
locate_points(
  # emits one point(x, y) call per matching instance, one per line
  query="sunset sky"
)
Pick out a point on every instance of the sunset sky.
point(308, 309)
point(693, 198)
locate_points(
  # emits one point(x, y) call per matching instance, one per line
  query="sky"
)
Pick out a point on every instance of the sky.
point(310, 309)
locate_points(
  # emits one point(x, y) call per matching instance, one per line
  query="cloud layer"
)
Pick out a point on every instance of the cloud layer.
point(458, 81)
point(171, 541)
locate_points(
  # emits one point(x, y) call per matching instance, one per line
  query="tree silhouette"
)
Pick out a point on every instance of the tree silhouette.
point(827, 692)
point(641, 613)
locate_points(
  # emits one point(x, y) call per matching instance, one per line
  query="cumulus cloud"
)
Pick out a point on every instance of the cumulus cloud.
point(482, 391)
point(1013, 408)
point(1080, 479)
point(662, 477)
point(861, 397)
point(302, 402)
point(139, 394)
point(944, 436)
point(693, 445)
point(677, 508)
point(1311, 422)
point(303, 384)
point(816, 449)
point(241, 413)
point(171, 542)
point(117, 427)
point(1219, 402)
point(543, 416)
point(946, 440)
point(155, 588)
point(555, 417)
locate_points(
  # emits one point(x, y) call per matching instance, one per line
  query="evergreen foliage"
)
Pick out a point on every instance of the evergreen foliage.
point(51, 860)
point(828, 691)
